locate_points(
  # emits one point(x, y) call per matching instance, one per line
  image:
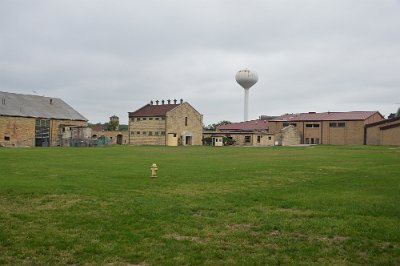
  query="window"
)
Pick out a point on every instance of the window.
point(157, 118)
point(7, 138)
point(258, 139)
point(312, 125)
point(144, 133)
point(162, 118)
point(247, 139)
point(150, 118)
point(317, 141)
point(150, 133)
point(137, 132)
point(156, 133)
point(337, 124)
point(186, 121)
point(307, 141)
point(144, 118)
point(132, 133)
point(162, 133)
point(269, 138)
point(285, 124)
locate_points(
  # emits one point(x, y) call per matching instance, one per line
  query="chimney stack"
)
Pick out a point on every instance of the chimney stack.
point(169, 101)
point(157, 102)
point(181, 101)
point(151, 102)
point(162, 102)
point(174, 101)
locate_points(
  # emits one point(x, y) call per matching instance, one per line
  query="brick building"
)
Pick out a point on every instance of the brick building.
point(340, 128)
point(31, 120)
point(165, 123)
point(384, 132)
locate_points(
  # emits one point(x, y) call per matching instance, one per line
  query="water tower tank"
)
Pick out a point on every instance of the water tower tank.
point(246, 78)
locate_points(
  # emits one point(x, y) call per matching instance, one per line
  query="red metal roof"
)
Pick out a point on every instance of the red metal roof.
point(247, 125)
point(328, 116)
point(153, 110)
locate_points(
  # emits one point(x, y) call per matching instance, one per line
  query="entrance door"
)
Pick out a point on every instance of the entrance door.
point(119, 139)
point(42, 132)
point(188, 140)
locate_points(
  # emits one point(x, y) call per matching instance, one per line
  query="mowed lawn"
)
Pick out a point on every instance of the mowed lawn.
point(209, 206)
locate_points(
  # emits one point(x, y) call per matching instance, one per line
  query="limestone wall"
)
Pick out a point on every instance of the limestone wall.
point(186, 123)
point(147, 130)
point(17, 131)
point(20, 131)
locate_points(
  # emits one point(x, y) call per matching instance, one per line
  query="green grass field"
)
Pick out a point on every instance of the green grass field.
point(209, 206)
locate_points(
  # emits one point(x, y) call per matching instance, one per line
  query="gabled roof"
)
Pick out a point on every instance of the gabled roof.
point(13, 104)
point(258, 124)
point(327, 116)
point(153, 110)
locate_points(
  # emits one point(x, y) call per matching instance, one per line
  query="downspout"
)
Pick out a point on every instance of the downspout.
point(322, 129)
point(129, 130)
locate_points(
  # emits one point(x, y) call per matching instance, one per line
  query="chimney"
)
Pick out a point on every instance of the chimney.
point(157, 102)
point(51, 101)
point(174, 101)
point(151, 102)
point(181, 101)
point(162, 102)
point(169, 101)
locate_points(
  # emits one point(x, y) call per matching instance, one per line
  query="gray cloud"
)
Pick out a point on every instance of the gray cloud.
point(107, 58)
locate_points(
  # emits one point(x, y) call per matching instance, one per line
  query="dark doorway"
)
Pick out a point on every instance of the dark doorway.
point(188, 140)
point(119, 139)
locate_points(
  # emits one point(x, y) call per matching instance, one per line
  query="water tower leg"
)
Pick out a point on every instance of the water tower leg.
point(246, 104)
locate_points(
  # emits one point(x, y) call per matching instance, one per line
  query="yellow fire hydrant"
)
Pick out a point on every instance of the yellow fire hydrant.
point(154, 169)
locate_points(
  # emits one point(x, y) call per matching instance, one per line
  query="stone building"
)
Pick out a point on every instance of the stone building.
point(384, 132)
point(339, 128)
point(288, 136)
point(31, 120)
point(248, 133)
point(165, 123)
point(119, 137)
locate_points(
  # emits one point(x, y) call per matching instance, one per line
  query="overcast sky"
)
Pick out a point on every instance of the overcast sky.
point(107, 58)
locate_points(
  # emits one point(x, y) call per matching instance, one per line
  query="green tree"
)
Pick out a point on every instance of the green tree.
point(215, 125)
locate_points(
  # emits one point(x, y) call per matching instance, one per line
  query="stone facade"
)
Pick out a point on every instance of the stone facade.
point(166, 124)
point(21, 131)
point(17, 131)
point(288, 136)
point(117, 137)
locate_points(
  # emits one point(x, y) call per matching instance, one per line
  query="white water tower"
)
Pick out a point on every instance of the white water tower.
point(246, 79)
